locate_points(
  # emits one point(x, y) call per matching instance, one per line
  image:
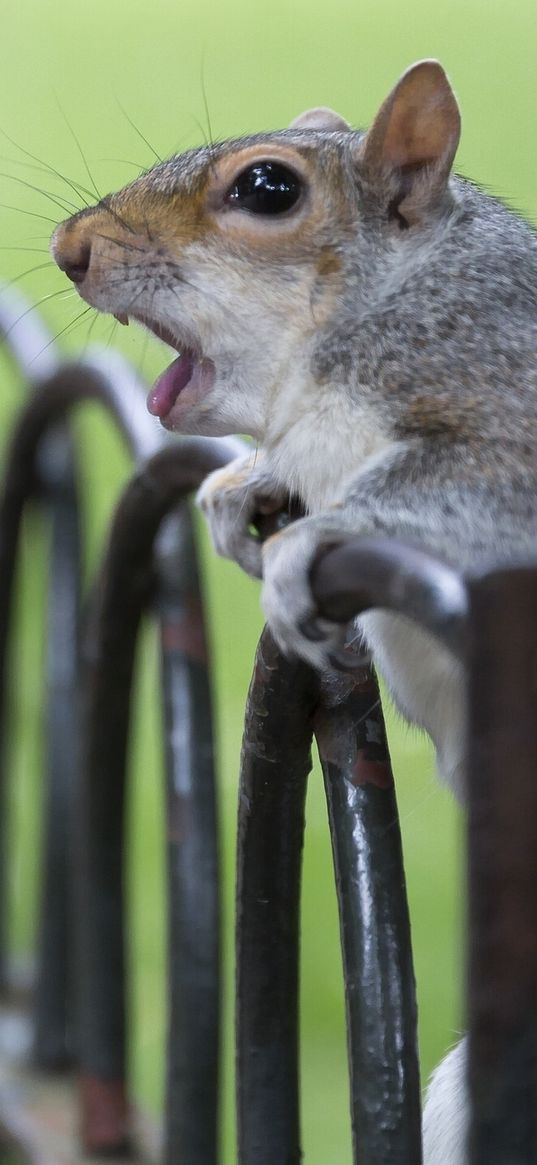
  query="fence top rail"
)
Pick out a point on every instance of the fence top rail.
point(108, 379)
point(380, 572)
point(102, 373)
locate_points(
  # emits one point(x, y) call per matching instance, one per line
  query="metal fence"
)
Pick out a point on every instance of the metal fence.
point(75, 1015)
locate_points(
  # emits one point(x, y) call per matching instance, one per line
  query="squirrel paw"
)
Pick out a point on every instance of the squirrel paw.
point(287, 599)
point(230, 499)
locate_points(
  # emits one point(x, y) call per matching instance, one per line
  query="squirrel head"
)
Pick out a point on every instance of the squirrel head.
point(238, 253)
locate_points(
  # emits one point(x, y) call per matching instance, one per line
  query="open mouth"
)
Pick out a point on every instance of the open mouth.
point(170, 384)
point(190, 371)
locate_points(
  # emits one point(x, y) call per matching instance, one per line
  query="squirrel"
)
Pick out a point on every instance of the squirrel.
point(369, 318)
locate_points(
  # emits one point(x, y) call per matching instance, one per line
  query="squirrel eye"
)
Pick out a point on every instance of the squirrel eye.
point(266, 188)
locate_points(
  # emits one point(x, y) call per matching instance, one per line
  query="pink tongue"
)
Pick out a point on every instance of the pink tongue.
point(164, 393)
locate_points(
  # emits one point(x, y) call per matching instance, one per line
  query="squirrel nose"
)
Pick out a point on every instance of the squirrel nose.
point(71, 253)
point(75, 264)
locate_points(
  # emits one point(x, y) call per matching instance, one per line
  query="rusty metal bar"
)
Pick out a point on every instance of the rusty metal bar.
point(105, 1117)
point(126, 585)
point(191, 1113)
point(14, 494)
point(491, 622)
point(52, 477)
point(285, 704)
point(28, 342)
point(54, 988)
point(276, 760)
point(40, 465)
point(375, 928)
point(502, 794)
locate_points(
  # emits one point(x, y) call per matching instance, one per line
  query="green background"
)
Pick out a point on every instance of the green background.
point(183, 72)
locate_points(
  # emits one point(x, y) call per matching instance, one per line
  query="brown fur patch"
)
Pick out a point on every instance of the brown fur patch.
point(179, 217)
point(328, 263)
point(439, 416)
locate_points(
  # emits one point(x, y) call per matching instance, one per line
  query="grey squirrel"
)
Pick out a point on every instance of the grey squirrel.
point(370, 320)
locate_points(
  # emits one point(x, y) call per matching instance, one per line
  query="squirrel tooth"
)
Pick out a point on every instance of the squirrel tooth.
point(122, 318)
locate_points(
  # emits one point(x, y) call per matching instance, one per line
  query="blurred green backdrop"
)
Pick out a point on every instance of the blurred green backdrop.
point(182, 71)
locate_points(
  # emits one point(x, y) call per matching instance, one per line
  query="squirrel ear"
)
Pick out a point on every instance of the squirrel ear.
point(416, 132)
point(320, 118)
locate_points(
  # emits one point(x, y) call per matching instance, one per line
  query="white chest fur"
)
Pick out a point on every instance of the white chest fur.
point(319, 441)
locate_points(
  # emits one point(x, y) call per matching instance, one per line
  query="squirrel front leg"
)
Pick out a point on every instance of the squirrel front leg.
point(395, 497)
point(231, 498)
point(433, 494)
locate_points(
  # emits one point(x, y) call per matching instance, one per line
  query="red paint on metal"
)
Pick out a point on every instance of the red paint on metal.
point(104, 1115)
point(371, 772)
point(187, 633)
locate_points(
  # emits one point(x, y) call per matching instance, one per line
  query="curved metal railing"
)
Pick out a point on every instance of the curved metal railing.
point(79, 1011)
point(80, 985)
point(489, 620)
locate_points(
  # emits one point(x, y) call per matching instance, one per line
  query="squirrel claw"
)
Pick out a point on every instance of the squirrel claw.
point(345, 659)
point(311, 630)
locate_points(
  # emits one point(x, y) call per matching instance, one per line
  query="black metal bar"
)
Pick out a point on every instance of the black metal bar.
point(71, 385)
point(53, 1002)
point(103, 374)
point(191, 1121)
point(381, 572)
point(25, 479)
point(375, 928)
point(275, 764)
point(50, 479)
point(29, 344)
point(502, 793)
point(15, 490)
point(125, 587)
point(104, 1102)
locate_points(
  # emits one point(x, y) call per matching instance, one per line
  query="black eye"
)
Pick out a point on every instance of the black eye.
point(266, 188)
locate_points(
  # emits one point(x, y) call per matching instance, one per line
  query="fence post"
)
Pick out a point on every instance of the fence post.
point(54, 991)
point(193, 1044)
point(502, 794)
point(380, 992)
point(276, 760)
point(126, 586)
point(50, 481)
